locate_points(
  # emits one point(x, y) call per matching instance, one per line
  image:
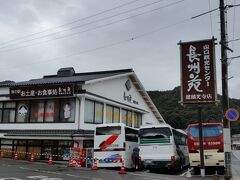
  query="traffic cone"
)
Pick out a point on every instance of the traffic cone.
point(122, 170)
point(94, 164)
point(50, 160)
point(188, 175)
point(15, 156)
point(32, 158)
point(1, 155)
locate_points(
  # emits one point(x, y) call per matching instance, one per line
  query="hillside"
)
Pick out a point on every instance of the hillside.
point(180, 116)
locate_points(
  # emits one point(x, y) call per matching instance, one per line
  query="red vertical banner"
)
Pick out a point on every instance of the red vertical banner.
point(198, 72)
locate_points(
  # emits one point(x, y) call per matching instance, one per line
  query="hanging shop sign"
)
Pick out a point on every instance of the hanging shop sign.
point(20, 92)
point(198, 72)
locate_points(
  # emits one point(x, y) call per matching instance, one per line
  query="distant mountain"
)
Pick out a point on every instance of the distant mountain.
point(180, 116)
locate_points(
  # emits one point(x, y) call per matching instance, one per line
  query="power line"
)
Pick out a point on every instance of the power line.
point(105, 46)
point(72, 22)
point(204, 13)
point(97, 27)
point(79, 26)
point(234, 40)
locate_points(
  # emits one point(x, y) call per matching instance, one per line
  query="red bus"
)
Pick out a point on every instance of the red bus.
point(212, 142)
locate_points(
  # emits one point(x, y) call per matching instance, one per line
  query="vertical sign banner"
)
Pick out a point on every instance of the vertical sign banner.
point(198, 72)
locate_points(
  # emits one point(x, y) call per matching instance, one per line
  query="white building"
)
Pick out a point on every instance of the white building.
point(56, 112)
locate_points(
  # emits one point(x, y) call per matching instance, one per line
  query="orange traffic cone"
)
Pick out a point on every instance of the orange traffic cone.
point(32, 158)
point(94, 164)
point(16, 156)
point(122, 170)
point(50, 160)
point(1, 155)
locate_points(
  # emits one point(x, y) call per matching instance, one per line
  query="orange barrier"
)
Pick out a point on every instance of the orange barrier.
point(32, 158)
point(1, 155)
point(16, 156)
point(50, 161)
point(94, 164)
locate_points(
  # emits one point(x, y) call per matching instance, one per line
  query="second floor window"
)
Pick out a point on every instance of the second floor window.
point(112, 114)
point(38, 111)
point(93, 112)
point(7, 112)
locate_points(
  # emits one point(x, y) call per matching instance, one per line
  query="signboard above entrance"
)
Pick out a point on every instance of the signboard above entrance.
point(198, 75)
point(20, 92)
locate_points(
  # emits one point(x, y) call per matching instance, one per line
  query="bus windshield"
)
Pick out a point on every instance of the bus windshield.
point(208, 131)
point(151, 133)
point(108, 130)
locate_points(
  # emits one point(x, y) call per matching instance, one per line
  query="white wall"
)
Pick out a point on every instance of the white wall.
point(114, 89)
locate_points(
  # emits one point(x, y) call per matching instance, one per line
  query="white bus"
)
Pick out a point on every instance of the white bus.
point(113, 142)
point(162, 146)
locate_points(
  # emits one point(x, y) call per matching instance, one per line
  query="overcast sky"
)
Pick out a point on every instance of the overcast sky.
point(40, 36)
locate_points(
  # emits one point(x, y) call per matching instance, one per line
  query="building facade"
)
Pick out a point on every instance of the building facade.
point(51, 114)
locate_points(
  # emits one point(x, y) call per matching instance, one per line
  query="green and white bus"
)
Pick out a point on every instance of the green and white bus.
point(162, 146)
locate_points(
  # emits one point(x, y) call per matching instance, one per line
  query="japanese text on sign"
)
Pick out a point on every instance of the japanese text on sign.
point(198, 72)
point(40, 91)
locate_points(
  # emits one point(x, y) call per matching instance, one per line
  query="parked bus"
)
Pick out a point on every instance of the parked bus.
point(213, 145)
point(162, 146)
point(113, 143)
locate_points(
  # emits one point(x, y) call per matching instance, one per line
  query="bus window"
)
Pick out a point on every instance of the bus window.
point(208, 131)
point(152, 133)
point(131, 135)
point(179, 138)
point(108, 130)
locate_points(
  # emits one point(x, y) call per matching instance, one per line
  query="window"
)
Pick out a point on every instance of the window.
point(116, 115)
point(1, 106)
point(89, 112)
point(40, 111)
point(108, 130)
point(93, 112)
point(137, 119)
point(208, 131)
point(98, 113)
point(37, 111)
point(157, 135)
point(127, 117)
point(112, 114)
point(109, 114)
point(124, 116)
point(179, 138)
point(131, 135)
point(67, 110)
point(51, 111)
point(88, 143)
point(8, 112)
point(22, 111)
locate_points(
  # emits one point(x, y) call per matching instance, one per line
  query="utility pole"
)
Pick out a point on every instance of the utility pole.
point(225, 100)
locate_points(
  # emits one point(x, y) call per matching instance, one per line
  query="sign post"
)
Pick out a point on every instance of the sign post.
point(198, 80)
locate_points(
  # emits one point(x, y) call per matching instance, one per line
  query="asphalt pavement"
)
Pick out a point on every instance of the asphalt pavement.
point(24, 170)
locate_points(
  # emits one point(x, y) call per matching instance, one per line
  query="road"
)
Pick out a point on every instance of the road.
point(24, 170)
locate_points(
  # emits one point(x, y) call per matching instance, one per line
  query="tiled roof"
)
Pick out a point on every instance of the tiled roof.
point(75, 78)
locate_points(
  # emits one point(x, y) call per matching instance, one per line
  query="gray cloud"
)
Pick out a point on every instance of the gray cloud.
point(155, 58)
